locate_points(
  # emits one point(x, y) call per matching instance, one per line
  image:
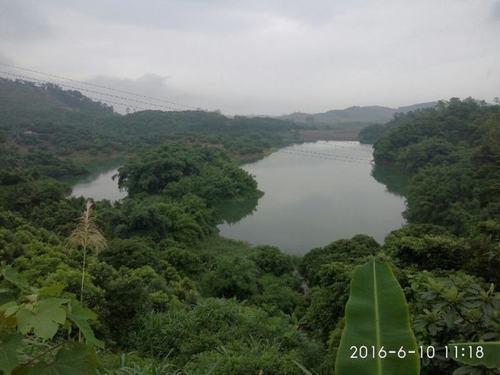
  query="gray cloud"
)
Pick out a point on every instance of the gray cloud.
point(207, 16)
point(21, 20)
point(150, 89)
point(496, 10)
point(5, 59)
point(266, 56)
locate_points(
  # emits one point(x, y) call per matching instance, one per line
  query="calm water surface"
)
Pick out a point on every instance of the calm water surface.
point(99, 185)
point(315, 193)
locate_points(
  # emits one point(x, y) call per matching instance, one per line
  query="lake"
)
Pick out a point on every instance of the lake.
point(99, 185)
point(314, 193)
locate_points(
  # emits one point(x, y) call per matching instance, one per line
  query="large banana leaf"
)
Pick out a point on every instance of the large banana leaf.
point(377, 316)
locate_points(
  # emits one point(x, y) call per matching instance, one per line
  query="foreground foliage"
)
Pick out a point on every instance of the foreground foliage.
point(376, 316)
point(32, 321)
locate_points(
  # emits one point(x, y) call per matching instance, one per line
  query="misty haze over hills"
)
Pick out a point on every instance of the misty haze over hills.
point(263, 57)
point(354, 115)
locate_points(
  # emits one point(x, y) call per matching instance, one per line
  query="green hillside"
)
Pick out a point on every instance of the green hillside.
point(65, 129)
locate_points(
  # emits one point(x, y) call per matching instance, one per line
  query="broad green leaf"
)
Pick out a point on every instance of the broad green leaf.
point(9, 308)
point(10, 347)
point(7, 324)
point(6, 295)
point(376, 316)
point(51, 291)
point(24, 318)
point(15, 278)
point(77, 359)
point(469, 353)
point(45, 318)
point(81, 315)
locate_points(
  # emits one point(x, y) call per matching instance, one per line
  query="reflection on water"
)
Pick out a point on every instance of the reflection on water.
point(233, 211)
point(99, 185)
point(395, 180)
point(316, 193)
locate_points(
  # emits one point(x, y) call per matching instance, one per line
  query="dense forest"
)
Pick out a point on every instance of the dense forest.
point(60, 130)
point(147, 286)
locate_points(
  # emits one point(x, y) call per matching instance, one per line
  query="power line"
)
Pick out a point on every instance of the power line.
point(326, 158)
point(96, 85)
point(34, 80)
point(99, 86)
point(327, 154)
point(24, 77)
point(126, 104)
point(338, 152)
point(331, 157)
point(334, 144)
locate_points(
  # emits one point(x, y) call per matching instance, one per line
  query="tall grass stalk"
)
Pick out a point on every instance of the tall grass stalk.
point(87, 236)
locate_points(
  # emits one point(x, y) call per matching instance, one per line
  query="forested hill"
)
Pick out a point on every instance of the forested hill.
point(23, 97)
point(52, 130)
point(372, 133)
point(453, 154)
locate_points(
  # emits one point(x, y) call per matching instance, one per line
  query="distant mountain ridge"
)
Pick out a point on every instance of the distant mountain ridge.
point(354, 115)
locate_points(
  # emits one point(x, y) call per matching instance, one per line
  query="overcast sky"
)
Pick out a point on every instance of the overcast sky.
point(263, 56)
